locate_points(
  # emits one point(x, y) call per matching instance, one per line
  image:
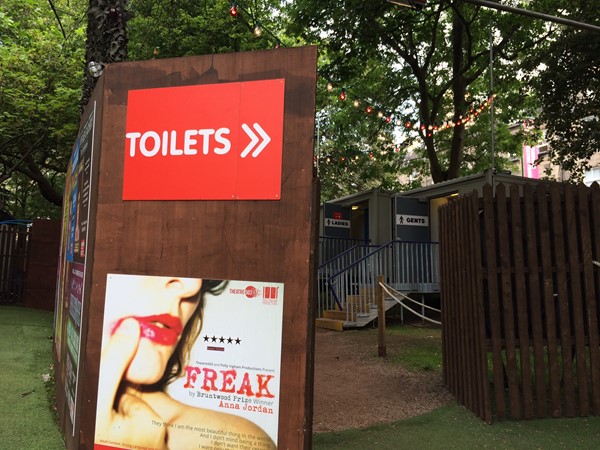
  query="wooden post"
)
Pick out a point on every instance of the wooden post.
point(380, 295)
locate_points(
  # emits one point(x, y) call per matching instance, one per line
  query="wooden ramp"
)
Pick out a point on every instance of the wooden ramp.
point(334, 319)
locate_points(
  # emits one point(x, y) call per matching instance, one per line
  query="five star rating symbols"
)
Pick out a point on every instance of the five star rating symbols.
point(222, 340)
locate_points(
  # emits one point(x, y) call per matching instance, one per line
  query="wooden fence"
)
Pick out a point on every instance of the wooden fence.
point(14, 245)
point(520, 293)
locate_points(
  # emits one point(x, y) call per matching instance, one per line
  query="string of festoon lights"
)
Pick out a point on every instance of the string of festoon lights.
point(369, 107)
point(237, 10)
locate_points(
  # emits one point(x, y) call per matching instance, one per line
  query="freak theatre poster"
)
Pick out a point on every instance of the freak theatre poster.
point(189, 363)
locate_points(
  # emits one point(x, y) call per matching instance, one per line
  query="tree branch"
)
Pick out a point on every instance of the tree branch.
point(57, 19)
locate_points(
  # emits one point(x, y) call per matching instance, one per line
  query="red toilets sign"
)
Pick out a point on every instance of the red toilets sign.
point(205, 142)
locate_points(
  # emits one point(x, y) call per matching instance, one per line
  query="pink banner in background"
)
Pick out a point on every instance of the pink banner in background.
point(530, 155)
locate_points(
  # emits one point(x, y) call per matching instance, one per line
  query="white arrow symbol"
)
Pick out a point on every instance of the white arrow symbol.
point(254, 139)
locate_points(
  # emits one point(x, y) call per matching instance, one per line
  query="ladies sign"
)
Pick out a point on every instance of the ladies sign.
point(205, 142)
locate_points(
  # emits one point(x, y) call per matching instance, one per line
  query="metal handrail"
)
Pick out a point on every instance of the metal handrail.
point(344, 243)
point(339, 262)
point(409, 266)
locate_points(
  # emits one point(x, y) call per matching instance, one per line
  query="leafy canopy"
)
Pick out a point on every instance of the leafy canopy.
point(41, 59)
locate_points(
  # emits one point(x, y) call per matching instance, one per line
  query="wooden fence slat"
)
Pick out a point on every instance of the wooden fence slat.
point(468, 301)
point(548, 292)
point(521, 301)
point(507, 303)
point(485, 407)
point(6, 249)
point(589, 201)
point(448, 306)
point(577, 319)
point(493, 314)
point(14, 244)
point(534, 289)
point(563, 300)
point(462, 326)
point(444, 287)
point(456, 313)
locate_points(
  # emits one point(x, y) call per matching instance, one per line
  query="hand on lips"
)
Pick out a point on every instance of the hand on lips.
point(163, 329)
point(120, 415)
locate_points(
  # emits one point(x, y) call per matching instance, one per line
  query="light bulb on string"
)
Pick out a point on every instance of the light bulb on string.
point(257, 30)
point(233, 11)
point(427, 129)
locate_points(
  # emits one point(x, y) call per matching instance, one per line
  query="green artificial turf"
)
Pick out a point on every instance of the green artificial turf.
point(453, 427)
point(27, 421)
point(26, 417)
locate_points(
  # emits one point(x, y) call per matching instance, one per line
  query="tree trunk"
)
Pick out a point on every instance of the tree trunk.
point(106, 39)
point(459, 89)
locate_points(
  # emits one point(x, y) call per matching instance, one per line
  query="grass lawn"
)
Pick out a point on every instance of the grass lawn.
point(26, 420)
point(453, 427)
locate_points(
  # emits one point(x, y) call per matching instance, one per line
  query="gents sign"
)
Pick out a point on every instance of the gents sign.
point(205, 142)
point(415, 221)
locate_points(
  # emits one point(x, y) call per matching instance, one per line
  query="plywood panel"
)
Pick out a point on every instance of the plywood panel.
point(235, 240)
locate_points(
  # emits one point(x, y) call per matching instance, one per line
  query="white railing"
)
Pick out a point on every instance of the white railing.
point(349, 285)
point(345, 259)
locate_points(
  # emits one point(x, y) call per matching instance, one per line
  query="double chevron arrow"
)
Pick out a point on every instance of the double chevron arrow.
point(254, 139)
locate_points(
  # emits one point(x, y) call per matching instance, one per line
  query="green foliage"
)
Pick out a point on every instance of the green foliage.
point(39, 95)
point(425, 67)
point(162, 29)
point(565, 75)
point(353, 153)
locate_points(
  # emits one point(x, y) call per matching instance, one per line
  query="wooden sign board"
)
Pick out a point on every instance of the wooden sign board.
point(195, 174)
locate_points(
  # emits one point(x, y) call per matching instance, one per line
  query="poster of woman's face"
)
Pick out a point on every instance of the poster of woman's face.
point(189, 363)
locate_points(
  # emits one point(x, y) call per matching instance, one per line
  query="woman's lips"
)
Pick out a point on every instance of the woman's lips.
point(163, 329)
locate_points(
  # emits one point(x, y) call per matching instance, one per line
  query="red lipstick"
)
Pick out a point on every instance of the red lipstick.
point(163, 329)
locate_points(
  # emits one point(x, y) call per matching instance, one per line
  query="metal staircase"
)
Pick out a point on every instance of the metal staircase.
point(347, 282)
